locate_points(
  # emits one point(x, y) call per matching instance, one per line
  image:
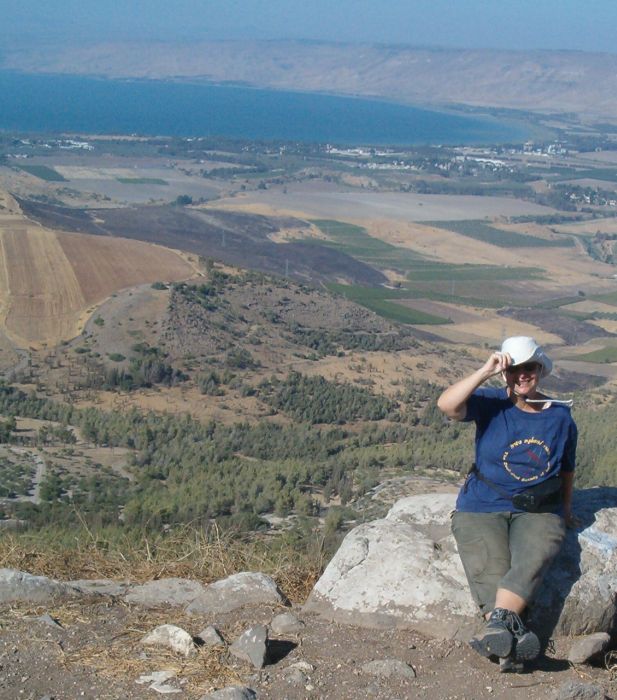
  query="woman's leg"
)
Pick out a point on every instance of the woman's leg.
point(535, 539)
point(510, 601)
point(483, 546)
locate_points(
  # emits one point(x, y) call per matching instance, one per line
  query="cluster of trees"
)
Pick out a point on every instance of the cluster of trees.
point(187, 471)
point(56, 434)
point(6, 429)
point(316, 400)
point(331, 342)
point(15, 477)
point(146, 368)
point(68, 498)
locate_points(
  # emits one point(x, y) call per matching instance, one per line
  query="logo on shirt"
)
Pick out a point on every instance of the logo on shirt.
point(527, 460)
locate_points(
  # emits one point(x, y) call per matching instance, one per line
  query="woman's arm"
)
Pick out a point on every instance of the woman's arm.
point(453, 401)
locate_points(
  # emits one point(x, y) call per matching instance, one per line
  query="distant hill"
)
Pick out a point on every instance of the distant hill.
point(542, 81)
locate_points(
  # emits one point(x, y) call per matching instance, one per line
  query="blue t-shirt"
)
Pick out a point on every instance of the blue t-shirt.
point(515, 449)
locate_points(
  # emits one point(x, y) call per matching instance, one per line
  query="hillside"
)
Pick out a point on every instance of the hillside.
point(559, 82)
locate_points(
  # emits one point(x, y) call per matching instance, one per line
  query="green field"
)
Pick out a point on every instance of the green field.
point(603, 356)
point(430, 271)
point(606, 174)
point(141, 181)
point(379, 300)
point(355, 241)
point(403, 314)
point(558, 303)
point(481, 286)
point(481, 231)
point(610, 298)
point(43, 172)
point(483, 294)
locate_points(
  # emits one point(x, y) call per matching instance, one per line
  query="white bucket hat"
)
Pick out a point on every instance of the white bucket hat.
point(522, 348)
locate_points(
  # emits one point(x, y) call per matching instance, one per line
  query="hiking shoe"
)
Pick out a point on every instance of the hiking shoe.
point(510, 665)
point(526, 642)
point(496, 638)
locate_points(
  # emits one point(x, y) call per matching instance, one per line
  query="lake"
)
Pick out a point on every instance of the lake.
point(60, 103)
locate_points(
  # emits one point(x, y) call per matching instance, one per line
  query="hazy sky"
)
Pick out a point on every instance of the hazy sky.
point(588, 25)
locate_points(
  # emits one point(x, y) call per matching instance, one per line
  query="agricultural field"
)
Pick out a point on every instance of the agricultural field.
point(43, 172)
point(355, 241)
point(499, 237)
point(605, 356)
point(108, 181)
point(49, 280)
point(142, 181)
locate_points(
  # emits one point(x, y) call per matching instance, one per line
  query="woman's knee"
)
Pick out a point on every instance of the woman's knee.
point(483, 548)
point(534, 543)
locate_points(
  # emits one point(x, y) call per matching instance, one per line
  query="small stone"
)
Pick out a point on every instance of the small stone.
point(305, 666)
point(210, 637)
point(575, 690)
point(251, 646)
point(388, 668)
point(286, 623)
point(294, 676)
point(585, 648)
point(47, 619)
point(159, 682)
point(173, 637)
point(232, 692)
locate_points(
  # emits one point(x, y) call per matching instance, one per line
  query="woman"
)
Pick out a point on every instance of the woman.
point(507, 532)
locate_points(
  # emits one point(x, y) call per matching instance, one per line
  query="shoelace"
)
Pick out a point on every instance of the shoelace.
point(516, 624)
point(499, 614)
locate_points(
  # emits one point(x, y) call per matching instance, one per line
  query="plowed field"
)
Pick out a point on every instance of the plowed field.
point(49, 281)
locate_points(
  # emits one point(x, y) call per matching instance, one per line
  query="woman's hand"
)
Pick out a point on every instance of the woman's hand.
point(453, 401)
point(498, 362)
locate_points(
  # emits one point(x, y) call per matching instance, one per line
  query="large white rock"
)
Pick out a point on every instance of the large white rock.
point(579, 595)
point(404, 571)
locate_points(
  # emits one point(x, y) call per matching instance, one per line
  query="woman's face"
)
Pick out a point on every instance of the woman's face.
point(523, 379)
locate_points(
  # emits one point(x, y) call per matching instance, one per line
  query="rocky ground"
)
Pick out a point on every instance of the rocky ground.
point(93, 649)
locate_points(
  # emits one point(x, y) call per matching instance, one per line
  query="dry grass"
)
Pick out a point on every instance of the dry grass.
point(120, 656)
point(202, 555)
point(107, 635)
point(610, 661)
point(209, 667)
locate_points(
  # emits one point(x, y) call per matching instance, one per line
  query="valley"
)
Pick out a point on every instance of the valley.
point(223, 355)
point(294, 295)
